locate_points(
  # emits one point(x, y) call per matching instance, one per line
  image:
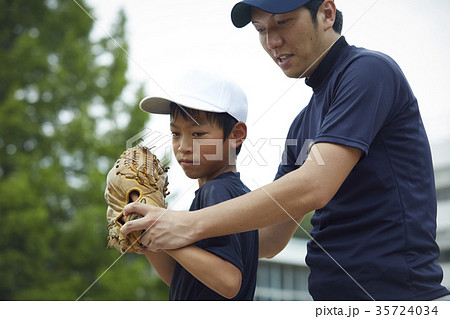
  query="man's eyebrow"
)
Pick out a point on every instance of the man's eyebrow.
point(256, 21)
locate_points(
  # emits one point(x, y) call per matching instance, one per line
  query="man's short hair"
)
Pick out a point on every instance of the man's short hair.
point(224, 120)
point(314, 5)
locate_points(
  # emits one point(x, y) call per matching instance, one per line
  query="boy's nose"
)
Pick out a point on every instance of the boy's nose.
point(185, 146)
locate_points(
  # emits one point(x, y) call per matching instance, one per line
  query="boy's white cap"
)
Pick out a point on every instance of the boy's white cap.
point(202, 91)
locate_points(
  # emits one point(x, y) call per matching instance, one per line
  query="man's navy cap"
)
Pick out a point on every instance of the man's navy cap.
point(241, 12)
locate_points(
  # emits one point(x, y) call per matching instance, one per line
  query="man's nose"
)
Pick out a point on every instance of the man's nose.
point(273, 40)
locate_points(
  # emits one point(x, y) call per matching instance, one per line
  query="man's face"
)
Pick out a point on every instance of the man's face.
point(291, 39)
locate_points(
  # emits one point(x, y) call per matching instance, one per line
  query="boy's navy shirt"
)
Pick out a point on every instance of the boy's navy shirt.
point(381, 224)
point(239, 249)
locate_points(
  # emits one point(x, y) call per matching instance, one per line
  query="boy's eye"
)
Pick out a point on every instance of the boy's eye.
point(198, 134)
point(174, 134)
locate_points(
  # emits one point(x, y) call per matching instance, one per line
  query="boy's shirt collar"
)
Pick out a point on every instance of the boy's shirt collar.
point(222, 176)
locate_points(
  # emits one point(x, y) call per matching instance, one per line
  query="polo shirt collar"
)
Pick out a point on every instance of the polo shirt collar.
point(327, 63)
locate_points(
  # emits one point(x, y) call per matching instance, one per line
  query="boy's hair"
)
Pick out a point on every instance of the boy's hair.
point(224, 120)
point(313, 7)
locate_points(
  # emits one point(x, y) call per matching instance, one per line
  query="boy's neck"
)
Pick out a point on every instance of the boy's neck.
point(202, 180)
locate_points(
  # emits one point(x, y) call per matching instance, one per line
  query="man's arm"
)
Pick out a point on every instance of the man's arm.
point(308, 188)
point(214, 272)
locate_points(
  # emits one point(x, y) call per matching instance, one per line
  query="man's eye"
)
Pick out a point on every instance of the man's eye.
point(258, 28)
point(281, 22)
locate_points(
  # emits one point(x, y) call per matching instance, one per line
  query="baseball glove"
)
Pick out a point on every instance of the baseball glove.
point(137, 172)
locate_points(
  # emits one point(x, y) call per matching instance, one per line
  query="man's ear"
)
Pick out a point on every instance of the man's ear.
point(238, 134)
point(328, 13)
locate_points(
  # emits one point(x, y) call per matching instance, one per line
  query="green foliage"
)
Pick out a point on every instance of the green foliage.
point(63, 123)
point(305, 227)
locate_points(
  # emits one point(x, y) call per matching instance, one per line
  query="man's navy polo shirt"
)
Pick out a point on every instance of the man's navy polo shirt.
point(239, 249)
point(380, 227)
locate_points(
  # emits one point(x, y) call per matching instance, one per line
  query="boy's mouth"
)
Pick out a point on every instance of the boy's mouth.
point(184, 162)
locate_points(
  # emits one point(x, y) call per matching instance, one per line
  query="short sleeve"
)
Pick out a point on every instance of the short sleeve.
point(289, 159)
point(363, 100)
point(215, 192)
point(226, 247)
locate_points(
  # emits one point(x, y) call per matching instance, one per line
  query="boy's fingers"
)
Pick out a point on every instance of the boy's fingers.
point(131, 226)
point(142, 251)
point(135, 207)
point(141, 223)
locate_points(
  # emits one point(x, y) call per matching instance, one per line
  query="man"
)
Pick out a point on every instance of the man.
point(374, 197)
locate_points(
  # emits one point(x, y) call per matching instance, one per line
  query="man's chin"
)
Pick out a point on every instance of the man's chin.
point(293, 75)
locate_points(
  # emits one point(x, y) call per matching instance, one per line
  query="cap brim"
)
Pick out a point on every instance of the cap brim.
point(155, 104)
point(241, 14)
point(161, 105)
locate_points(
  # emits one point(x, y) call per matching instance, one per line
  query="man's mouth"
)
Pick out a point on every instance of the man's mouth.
point(284, 57)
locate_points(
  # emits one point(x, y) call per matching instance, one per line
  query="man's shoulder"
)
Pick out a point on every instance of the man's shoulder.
point(364, 68)
point(364, 59)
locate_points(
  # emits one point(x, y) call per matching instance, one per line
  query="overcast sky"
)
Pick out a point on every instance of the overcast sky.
point(168, 36)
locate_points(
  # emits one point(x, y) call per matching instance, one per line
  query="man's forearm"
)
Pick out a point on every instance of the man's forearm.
point(269, 205)
point(291, 197)
point(308, 188)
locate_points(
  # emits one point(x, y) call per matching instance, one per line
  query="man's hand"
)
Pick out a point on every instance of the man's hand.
point(164, 229)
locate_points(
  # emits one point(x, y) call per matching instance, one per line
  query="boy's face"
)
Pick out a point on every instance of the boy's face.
point(200, 149)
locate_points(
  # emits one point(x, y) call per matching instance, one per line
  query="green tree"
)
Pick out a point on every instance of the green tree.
point(63, 123)
point(305, 227)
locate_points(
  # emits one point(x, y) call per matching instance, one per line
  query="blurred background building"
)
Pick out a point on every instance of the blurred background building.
point(285, 277)
point(441, 159)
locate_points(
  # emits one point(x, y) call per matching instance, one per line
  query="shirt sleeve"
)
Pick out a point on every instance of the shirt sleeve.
point(363, 102)
point(226, 247)
point(289, 157)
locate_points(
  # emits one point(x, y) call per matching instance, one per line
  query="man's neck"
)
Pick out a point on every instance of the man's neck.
point(329, 40)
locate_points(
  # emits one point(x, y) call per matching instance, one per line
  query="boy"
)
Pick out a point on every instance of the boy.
point(207, 120)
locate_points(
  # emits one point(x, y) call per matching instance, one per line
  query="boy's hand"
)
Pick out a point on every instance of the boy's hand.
point(164, 229)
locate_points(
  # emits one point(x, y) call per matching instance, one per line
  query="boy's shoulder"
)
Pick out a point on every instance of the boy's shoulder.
point(224, 187)
point(229, 181)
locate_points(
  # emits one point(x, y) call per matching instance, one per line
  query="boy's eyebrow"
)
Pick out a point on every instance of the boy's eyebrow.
point(187, 113)
point(192, 124)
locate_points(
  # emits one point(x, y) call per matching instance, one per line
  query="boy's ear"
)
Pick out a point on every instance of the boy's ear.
point(238, 134)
